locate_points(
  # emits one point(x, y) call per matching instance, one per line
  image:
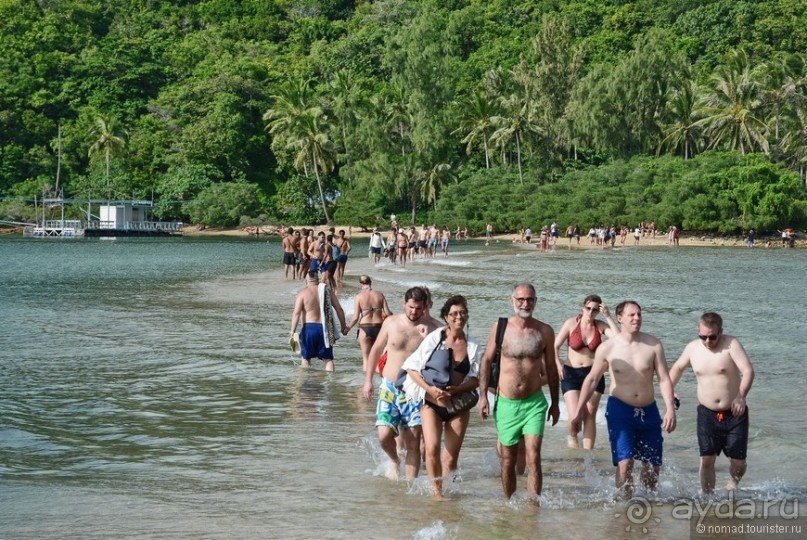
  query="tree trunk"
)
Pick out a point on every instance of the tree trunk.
point(518, 148)
point(487, 157)
point(321, 193)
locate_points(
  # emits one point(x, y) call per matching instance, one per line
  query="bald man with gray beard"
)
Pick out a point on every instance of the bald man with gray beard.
point(527, 362)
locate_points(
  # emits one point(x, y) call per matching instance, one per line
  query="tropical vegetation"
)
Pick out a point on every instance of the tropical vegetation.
point(512, 112)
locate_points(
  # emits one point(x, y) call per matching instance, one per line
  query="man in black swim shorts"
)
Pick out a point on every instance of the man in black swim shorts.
point(724, 376)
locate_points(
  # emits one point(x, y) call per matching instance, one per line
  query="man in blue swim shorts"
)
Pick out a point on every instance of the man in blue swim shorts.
point(634, 422)
point(307, 309)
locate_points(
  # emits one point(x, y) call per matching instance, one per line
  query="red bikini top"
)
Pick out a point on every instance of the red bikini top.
point(576, 338)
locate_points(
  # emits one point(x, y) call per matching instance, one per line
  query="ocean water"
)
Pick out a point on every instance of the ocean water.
point(147, 390)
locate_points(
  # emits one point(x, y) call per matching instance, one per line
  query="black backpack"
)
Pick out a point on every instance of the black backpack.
point(495, 366)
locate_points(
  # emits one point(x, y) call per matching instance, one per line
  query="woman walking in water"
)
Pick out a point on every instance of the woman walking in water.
point(458, 374)
point(369, 311)
point(583, 333)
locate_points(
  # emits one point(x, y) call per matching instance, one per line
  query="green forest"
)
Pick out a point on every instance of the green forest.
point(513, 112)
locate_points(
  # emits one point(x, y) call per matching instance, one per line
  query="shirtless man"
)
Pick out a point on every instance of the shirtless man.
point(634, 422)
point(307, 309)
point(400, 335)
point(423, 238)
point(527, 361)
point(434, 232)
point(290, 243)
point(724, 375)
point(328, 264)
point(305, 260)
point(344, 246)
point(369, 311)
point(316, 252)
point(402, 243)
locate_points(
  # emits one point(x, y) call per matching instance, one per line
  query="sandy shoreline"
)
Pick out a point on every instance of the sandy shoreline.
point(689, 240)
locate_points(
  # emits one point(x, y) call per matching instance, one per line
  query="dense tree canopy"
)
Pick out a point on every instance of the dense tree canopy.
point(506, 111)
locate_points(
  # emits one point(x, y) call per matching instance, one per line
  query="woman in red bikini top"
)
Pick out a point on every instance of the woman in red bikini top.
point(583, 333)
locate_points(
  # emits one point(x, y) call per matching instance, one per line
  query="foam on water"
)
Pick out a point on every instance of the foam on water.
point(437, 531)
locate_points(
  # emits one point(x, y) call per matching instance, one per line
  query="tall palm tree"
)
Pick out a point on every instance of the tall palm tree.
point(476, 122)
point(299, 124)
point(344, 103)
point(518, 120)
point(680, 134)
point(437, 176)
point(783, 94)
point(108, 141)
point(731, 109)
point(293, 101)
point(398, 113)
point(316, 148)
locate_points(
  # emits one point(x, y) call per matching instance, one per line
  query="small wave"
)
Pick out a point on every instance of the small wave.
point(451, 262)
point(437, 531)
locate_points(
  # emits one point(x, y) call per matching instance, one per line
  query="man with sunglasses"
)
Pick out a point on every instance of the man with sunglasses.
point(634, 421)
point(724, 375)
point(521, 411)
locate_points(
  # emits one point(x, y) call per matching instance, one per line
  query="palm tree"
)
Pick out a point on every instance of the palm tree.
point(679, 131)
point(398, 113)
point(518, 118)
point(437, 176)
point(108, 141)
point(783, 92)
point(731, 108)
point(299, 124)
point(290, 104)
point(346, 99)
point(476, 122)
point(318, 148)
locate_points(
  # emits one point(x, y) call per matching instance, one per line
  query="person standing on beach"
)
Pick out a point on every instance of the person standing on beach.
point(290, 246)
point(400, 336)
point(316, 252)
point(306, 238)
point(369, 311)
point(307, 308)
point(376, 246)
point(521, 410)
point(402, 242)
point(544, 240)
point(724, 375)
point(488, 233)
point(634, 421)
point(343, 244)
point(446, 239)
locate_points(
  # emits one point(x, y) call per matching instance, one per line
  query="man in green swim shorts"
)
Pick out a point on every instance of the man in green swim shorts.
point(527, 361)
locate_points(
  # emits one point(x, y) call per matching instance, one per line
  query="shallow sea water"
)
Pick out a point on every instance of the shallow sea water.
point(147, 390)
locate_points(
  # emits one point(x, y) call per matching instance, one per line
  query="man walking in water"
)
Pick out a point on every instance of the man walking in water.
point(634, 421)
point(400, 335)
point(724, 375)
point(308, 308)
point(527, 360)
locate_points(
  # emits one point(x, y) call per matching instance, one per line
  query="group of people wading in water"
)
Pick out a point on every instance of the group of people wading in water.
point(432, 373)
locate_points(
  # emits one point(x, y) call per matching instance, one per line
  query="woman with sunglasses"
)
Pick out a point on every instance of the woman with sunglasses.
point(583, 333)
point(462, 374)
